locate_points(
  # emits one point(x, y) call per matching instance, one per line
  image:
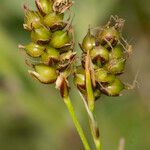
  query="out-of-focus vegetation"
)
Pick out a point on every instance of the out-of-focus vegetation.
point(33, 116)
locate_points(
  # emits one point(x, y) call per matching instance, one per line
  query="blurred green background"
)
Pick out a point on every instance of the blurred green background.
point(33, 116)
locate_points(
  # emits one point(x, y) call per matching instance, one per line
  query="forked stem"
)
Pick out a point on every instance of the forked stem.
point(76, 122)
point(93, 125)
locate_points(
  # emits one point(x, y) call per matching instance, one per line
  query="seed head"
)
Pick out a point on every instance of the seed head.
point(50, 54)
point(107, 60)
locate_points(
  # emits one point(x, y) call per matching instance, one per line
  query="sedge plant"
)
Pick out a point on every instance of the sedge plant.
point(51, 56)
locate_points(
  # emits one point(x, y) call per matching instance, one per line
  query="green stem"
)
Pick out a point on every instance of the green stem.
point(90, 100)
point(95, 134)
point(90, 95)
point(93, 125)
point(76, 123)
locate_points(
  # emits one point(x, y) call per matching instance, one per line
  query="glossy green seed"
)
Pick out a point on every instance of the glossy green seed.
point(50, 55)
point(52, 19)
point(32, 20)
point(44, 74)
point(114, 88)
point(116, 66)
point(59, 39)
point(34, 50)
point(41, 35)
point(89, 42)
point(102, 76)
point(116, 53)
point(109, 37)
point(44, 6)
point(99, 53)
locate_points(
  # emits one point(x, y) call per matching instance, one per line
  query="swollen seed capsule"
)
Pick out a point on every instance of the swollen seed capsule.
point(99, 53)
point(114, 88)
point(45, 74)
point(41, 35)
point(59, 39)
point(89, 42)
point(34, 50)
point(116, 66)
point(79, 79)
point(32, 20)
point(102, 76)
point(116, 53)
point(53, 18)
point(50, 55)
point(44, 6)
point(109, 37)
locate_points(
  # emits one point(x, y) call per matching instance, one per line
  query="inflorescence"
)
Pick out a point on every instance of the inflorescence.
point(50, 52)
point(105, 53)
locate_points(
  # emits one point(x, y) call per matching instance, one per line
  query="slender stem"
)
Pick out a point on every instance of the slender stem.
point(121, 144)
point(93, 125)
point(90, 95)
point(90, 100)
point(95, 134)
point(76, 122)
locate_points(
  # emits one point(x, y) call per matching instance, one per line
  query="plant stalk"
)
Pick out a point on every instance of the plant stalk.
point(90, 100)
point(90, 95)
point(95, 134)
point(93, 125)
point(76, 122)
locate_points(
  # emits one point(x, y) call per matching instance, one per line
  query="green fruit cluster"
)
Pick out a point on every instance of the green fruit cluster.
point(51, 45)
point(107, 61)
